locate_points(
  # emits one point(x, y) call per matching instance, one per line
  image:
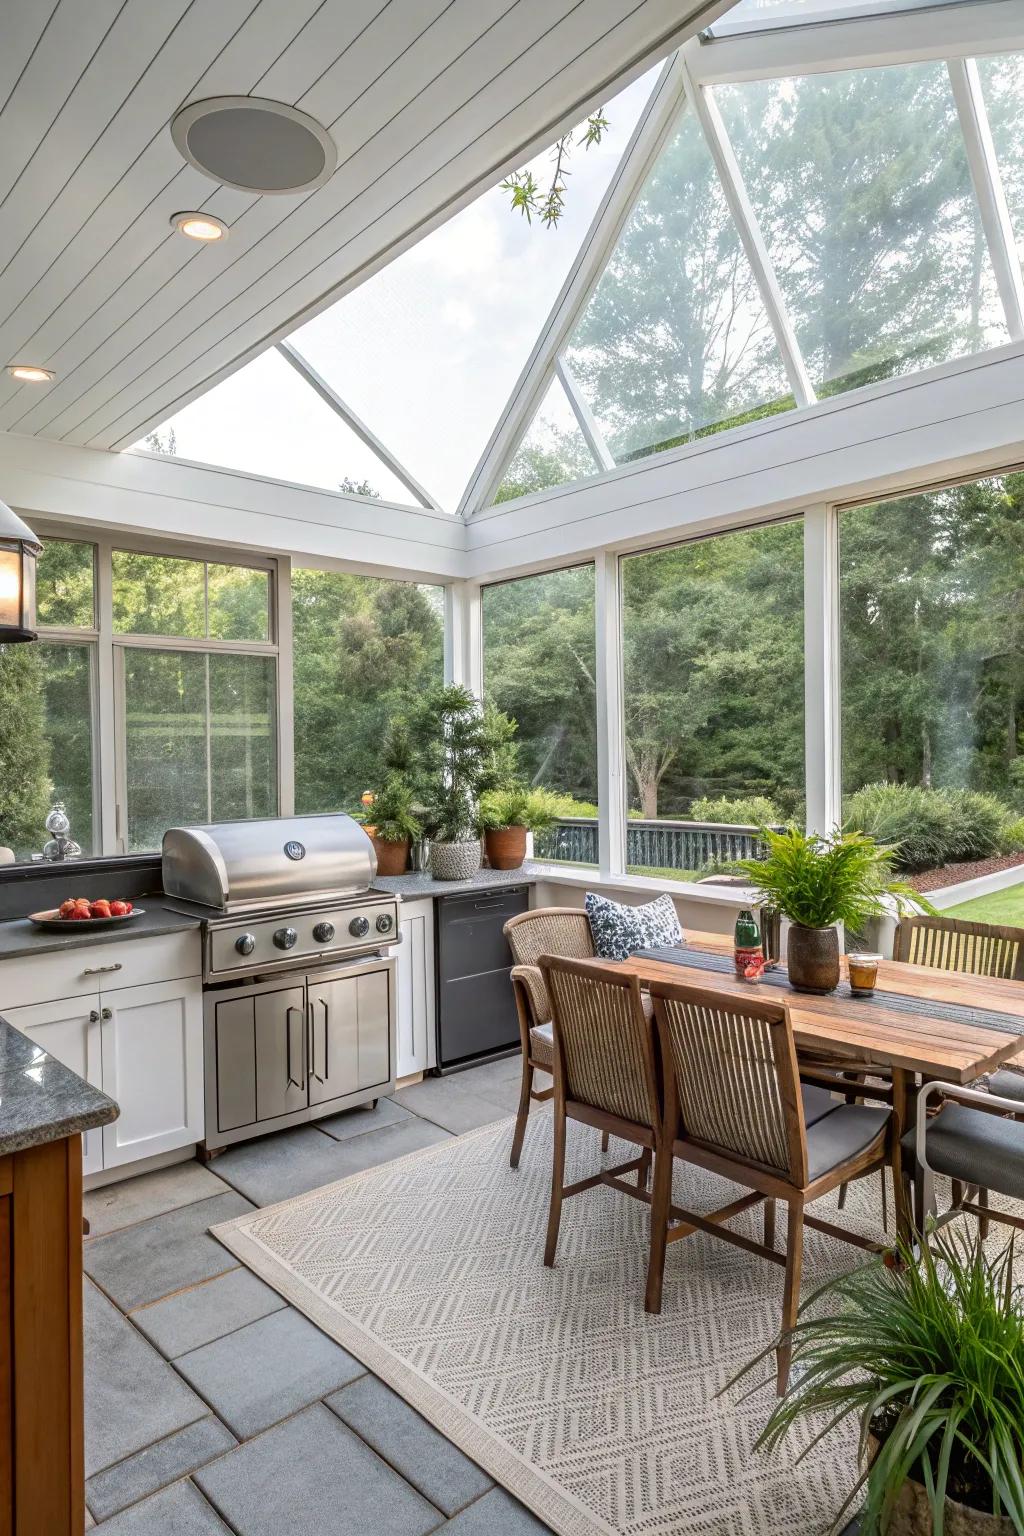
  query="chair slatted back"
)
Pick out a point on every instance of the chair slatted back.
point(735, 1073)
point(951, 944)
point(604, 1043)
point(548, 931)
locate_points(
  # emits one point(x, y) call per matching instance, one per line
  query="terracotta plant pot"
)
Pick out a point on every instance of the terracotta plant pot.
point(392, 858)
point(454, 861)
point(912, 1515)
point(812, 959)
point(506, 847)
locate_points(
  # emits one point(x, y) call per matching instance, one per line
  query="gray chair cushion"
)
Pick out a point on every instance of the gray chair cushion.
point(840, 1135)
point(818, 1103)
point(1007, 1084)
point(975, 1147)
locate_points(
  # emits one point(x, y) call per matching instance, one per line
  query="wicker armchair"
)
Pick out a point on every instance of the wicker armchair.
point(604, 1072)
point(733, 1105)
point(551, 931)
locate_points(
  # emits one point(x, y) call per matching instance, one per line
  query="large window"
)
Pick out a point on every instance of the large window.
point(365, 649)
point(932, 631)
point(539, 667)
point(713, 690)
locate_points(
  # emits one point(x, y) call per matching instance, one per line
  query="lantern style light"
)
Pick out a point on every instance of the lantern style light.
point(19, 550)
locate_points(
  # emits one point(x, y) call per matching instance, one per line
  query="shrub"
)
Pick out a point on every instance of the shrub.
point(1011, 838)
point(976, 822)
point(743, 811)
point(916, 822)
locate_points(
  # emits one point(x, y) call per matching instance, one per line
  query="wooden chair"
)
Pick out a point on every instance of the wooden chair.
point(733, 1104)
point(545, 930)
point(604, 1075)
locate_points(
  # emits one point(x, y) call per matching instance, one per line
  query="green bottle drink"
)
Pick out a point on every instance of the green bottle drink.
point(748, 949)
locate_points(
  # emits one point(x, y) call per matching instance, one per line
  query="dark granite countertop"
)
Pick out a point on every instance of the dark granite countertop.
point(422, 883)
point(40, 1099)
point(19, 937)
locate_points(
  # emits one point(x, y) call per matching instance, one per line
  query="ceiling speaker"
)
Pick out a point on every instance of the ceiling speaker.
point(255, 145)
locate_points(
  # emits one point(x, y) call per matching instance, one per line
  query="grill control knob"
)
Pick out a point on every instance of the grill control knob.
point(245, 943)
point(359, 927)
point(284, 938)
point(385, 923)
point(323, 933)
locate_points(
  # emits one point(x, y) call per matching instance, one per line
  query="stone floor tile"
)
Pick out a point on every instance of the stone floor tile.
point(262, 1373)
point(165, 1254)
point(356, 1122)
point(132, 1396)
point(165, 1462)
point(179, 1510)
point(455, 1105)
point(413, 1447)
point(292, 1162)
point(151, 1194)
point(206, 1312)
point(496, 1514)
point(311, 1474)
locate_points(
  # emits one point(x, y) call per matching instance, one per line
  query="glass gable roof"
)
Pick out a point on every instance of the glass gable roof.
point(762, 15)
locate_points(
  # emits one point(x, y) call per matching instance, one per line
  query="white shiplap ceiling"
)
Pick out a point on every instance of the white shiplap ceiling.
point(427, 100)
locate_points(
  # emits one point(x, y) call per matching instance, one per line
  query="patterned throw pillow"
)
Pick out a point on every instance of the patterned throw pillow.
point(619, 931)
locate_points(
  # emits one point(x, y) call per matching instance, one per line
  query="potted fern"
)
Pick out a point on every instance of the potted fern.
point(505, 818)
point(389, 818)
point(926, 1353)
point(818, 882)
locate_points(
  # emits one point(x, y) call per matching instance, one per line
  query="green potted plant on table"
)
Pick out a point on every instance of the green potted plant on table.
point(818, 882)
point(507, 815)
point(927, 1354)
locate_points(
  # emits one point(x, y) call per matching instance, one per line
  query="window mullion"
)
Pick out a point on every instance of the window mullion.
point(988, 189)
point(282, 616)
point(751, 237)
point(108, 745)
point(611, 783)
point(822, 742)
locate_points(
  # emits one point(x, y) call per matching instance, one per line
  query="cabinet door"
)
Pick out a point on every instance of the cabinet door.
point(6, 1384)
point(69, 1029)
point(153, 1067)
point(280, 1052)
point(350, 1034)
point(415, 988)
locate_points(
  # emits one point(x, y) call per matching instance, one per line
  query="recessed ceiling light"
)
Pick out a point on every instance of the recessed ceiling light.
point(254, 144)
point(200, 226)
point(29, 373)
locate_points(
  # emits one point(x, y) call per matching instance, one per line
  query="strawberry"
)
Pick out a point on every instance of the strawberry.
point(80, 914)
point(119, 908)
point(66, 908)
point(100, 908)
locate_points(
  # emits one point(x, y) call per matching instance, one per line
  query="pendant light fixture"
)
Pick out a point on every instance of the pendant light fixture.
point(19, 550)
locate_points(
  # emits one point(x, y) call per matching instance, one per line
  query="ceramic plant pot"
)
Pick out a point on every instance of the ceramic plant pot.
point(912, 1514)
point(392, 858)
point(812, 959)
point(506, 847)
point(454, 861)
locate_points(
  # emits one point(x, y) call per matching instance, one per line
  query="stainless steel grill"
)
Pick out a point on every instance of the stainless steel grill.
point(299, 983)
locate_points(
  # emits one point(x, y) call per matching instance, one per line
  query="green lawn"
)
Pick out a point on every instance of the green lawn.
point(1000, 907)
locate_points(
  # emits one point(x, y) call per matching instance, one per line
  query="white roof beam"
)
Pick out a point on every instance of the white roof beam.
point(330, 397)
point(585, 417)
point(988, 188)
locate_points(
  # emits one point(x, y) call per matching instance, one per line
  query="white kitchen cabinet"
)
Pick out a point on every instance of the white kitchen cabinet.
point(415, 955)
point(69, 1030)
point(152, 1057)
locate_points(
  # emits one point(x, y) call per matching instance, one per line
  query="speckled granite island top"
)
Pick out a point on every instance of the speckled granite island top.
point(20, 937)
point(422, 883)
point(40, 1099)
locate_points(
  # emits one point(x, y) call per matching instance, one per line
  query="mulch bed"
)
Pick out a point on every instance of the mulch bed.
point(952, 874)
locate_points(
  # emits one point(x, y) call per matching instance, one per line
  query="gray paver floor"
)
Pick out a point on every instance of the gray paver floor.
point(214, 1407)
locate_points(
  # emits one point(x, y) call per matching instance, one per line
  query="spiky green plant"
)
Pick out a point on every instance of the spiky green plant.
point(817, 881)
point(536, 809)
point(926, 1351)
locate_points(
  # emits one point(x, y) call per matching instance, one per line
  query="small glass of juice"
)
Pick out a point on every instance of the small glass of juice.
point(863, 973)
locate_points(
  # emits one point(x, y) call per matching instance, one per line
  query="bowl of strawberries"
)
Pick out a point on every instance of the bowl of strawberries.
point(103, 913)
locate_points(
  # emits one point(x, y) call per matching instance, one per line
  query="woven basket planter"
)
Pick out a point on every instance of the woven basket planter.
point(454, 861)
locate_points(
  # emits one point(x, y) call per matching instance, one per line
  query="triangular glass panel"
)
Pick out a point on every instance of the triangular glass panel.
point(552, 452)
point(1002, 85)
point(266, 420)
point(428, 350)
point(675, 342)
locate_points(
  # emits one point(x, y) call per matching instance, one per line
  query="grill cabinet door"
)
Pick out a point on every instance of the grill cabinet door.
point(350, 1034)
point(281, 1073)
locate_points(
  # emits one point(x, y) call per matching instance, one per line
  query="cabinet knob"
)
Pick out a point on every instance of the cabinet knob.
point(94, 1017)
point(106, 1013)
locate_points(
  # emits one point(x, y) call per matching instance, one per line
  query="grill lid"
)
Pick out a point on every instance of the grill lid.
point(245, 865)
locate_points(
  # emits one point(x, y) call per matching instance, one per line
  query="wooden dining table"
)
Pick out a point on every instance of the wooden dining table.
point(857, 1034)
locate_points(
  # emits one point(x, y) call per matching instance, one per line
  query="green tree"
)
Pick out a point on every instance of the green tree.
point(24, 749)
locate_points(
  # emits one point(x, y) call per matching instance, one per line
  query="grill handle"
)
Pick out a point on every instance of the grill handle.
point(311, 1038)
point(327, 1033)
point(293, 1082)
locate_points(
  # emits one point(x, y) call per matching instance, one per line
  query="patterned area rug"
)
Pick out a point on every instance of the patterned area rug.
point(602, 1420)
